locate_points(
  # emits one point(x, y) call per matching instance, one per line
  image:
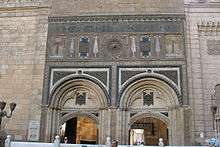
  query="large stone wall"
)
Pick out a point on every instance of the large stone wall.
point(106, 7)
point(23, 32)
point(203, 63)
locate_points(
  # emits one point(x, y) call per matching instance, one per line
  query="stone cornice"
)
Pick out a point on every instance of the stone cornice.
point(116, 18)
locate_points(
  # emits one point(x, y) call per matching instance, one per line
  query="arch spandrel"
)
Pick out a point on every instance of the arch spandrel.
point(67, 89)
point(163, 94)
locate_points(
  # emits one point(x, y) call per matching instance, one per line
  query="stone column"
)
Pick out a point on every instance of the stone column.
point(105, 130)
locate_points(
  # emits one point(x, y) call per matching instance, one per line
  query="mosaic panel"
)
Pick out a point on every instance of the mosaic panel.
point(174, 45)
point(57, 45)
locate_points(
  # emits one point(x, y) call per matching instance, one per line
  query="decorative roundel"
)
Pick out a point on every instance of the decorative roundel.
point(114, 45)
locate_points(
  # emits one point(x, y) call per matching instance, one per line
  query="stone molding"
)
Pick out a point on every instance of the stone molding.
point(209, 27)
point(68, 116)
point(24, 3)
point(152, 114)
point(74, 81)
point(117, 18)
point(201, 1)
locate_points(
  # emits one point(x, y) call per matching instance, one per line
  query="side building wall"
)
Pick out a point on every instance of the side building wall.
point(23, 33)
point(203, 37)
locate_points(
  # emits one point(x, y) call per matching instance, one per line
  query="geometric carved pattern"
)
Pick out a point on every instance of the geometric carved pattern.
point(171, 74)
point(125, 75)
point(101, 75)
point(213, 47)
point(148, 98)
point(80, 98)
point(57, 75)
point(107, 24)
point(145, 46)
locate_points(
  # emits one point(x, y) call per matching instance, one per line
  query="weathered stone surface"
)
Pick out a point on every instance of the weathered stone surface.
point(26, 62)
point(116, 7)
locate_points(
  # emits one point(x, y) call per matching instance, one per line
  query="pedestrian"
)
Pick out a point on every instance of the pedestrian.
point(114, 143)
point(65, 140)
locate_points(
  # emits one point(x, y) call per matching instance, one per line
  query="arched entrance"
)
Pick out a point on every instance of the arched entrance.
point(79, 130)
point(78, 105)
point(147, 131)
point(150, 105)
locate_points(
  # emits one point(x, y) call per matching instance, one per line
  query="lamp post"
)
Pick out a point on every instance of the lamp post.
point(5, 114)
point(215, 116)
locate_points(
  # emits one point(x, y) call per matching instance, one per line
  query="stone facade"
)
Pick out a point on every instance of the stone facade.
point(103, 59)
point(203, 61)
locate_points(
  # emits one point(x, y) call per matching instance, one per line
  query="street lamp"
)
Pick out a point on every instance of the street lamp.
point(4, 114)
point(215, 116)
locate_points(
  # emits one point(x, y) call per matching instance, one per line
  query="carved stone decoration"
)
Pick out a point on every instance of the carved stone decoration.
point(57, 46)
point(133, 46)
point(95, 47)
point(80, 98)
point(115, 47)
point(157, 45)
point(213, 47)
point(72, 49)
point(148, 98)
point(84, 46)
point(173, 45)
point(145, 46)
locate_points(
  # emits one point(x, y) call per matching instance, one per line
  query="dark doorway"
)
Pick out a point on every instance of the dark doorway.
point(70, 131)
point(80, 130)
point(147, 131)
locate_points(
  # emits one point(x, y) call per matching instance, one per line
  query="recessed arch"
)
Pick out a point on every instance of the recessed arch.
point(150, 81)
point(73, 81)
point(79, 128)
point(153, 77)
point(147, 127)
